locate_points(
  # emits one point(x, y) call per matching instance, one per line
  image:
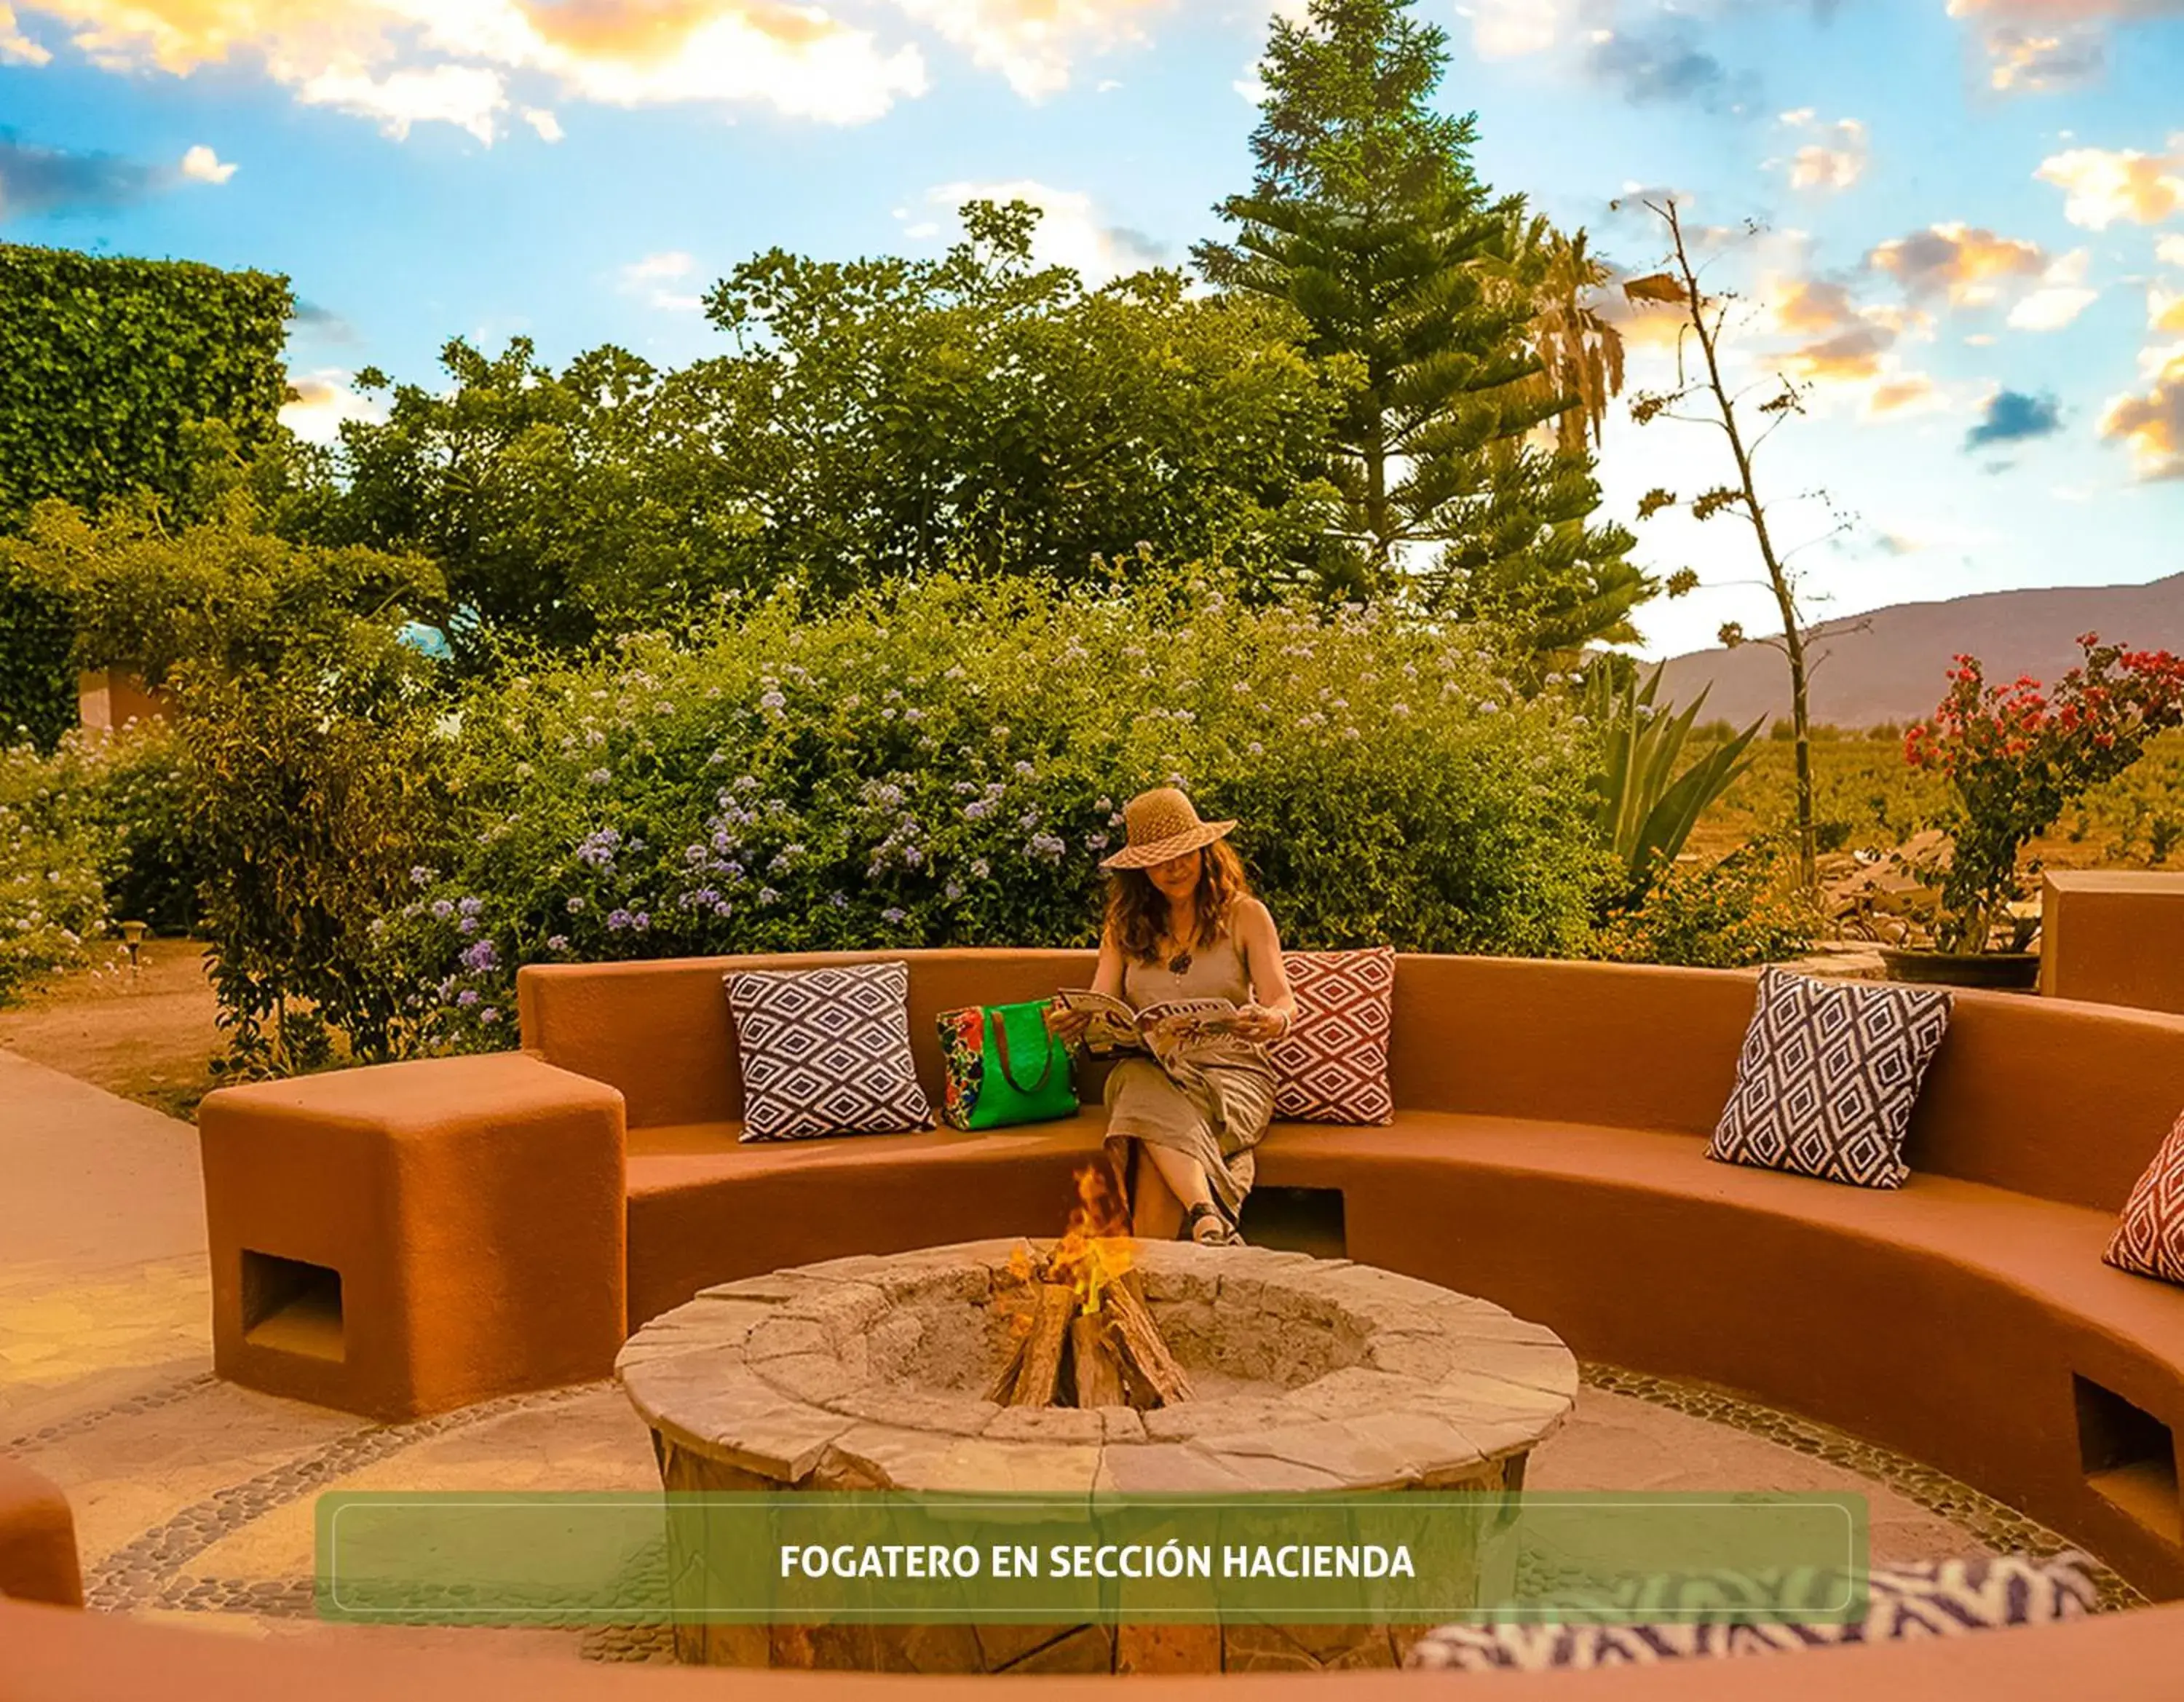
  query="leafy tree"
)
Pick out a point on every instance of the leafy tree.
point(224, 598)
point(981, 411)
point(558, 504)
point(877, 419)
point(1366, 217)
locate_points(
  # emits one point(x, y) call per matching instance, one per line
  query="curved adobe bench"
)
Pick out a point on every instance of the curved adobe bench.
point(1546, 1155)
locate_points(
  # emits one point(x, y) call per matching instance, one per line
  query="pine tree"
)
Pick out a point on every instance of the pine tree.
point(1367, 216)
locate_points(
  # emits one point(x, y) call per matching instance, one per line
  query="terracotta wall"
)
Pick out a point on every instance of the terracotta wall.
point(113, 699)
point(47, 1654)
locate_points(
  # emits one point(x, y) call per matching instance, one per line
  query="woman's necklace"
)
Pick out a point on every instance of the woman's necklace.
point(1179, 963)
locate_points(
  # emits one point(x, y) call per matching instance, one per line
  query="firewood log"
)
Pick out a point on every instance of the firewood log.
point(1144, 1349)
point(1096, 1363)
point(1042, 1361)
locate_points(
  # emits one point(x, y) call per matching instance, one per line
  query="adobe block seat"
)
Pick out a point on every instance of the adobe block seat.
point(405, 1239)
point(38, 1540)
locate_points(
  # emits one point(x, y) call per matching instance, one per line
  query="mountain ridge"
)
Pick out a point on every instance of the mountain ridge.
point(1890, 665)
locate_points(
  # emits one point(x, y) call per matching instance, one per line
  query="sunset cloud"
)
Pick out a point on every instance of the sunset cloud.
point(2062, 295)
point(2105, 186)
point(2152, 425)
point(402, 63)
point(321, 401)
point(17, 48)
point(1034, 44)
point(2165, 312)
point(1971, 268)
point(1829, 339)
point(2033, 46)
point(2034, 62)
point(1833, 158)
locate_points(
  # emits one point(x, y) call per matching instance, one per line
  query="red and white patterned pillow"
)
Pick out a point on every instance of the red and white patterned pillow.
point(1332, 1067)
point(2149, 1240)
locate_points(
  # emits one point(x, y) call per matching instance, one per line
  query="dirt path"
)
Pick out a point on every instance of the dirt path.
point(149, 1036)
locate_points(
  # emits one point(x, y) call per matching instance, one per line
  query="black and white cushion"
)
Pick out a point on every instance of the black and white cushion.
point(825, 1052)
point(1827, 1076)
point(1672, 1619)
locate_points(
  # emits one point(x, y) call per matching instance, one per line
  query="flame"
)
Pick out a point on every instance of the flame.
point(1097, 1248)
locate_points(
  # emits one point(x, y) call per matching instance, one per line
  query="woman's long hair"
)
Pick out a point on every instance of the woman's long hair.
point(1137, 909)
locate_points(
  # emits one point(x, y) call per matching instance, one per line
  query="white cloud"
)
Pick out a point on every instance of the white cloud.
point(468, 96)
point(1512, 29)
point(547, 127)
point(2103, 185)
point(2062, 295)
point(654, 276)
point(201, 165)
point(1071, 232)
point(323, 400)
point(2165, 313)
point(2170, 251)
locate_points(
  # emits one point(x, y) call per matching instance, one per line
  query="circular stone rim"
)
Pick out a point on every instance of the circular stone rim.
point(761, 1374)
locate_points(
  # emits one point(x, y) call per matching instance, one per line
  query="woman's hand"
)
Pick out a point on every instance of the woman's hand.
point(1066, 1024)
point(1256, 1023)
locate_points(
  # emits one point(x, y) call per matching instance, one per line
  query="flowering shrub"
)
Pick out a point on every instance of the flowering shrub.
point(1744, 909)
point(52, 901)
point(2016, 757)
point(945, 766)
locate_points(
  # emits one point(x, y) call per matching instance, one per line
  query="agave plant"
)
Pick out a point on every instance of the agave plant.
point(1646, 809)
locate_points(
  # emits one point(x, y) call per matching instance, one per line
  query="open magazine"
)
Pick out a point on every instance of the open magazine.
point(1117, 1028)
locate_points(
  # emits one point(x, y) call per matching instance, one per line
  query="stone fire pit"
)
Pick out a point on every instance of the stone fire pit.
point(868, 1373)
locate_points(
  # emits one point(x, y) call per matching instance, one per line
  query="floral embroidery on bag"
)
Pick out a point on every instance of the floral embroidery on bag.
point(963, 1047)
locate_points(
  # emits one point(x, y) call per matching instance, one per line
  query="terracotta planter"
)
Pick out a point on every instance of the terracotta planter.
point(1997, 971)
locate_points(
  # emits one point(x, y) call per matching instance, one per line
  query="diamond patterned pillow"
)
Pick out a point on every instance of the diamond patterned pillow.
point(1332, 1067)
point(825, 1052)
point(1725, 1614)
point(1827, 1076)
point(2149, 1240)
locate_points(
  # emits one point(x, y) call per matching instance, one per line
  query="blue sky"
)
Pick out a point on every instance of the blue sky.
point(1972, 211)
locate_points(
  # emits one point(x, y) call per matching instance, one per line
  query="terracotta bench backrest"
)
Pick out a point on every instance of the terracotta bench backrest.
point(2065, 1102)
point(661, 1031)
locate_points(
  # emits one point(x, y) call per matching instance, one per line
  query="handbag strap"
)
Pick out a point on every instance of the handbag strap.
point(1008, 1070)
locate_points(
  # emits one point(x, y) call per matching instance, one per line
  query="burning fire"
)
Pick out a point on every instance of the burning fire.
point(1095, 1251)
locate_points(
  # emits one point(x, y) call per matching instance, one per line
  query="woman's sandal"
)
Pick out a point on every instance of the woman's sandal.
point(1209, 1226)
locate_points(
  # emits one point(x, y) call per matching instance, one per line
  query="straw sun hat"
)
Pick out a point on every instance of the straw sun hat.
point(1159, 824)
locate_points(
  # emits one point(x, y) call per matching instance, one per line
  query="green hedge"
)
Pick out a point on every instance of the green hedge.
point(945, 767)
point(108, 366)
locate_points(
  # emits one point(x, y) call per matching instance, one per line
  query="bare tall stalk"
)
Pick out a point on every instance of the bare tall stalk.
point(1707, 320)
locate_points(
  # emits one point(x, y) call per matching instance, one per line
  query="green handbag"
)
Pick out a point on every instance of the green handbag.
point(1004, 1068)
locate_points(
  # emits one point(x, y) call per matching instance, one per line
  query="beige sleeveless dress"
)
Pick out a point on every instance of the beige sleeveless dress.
point(1209, 1099)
